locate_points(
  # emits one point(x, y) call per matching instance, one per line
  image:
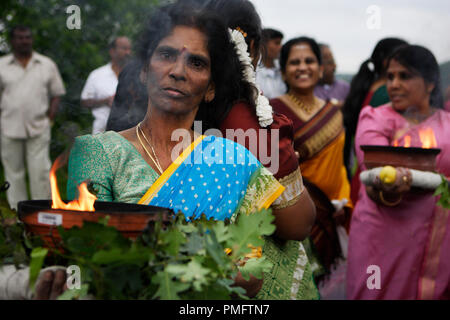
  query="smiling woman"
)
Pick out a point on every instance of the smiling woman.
point(319, 140)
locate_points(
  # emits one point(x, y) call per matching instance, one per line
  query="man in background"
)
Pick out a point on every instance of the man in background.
point(268, 74)
point(30, 91)
point(330, 88)
point(100, 88)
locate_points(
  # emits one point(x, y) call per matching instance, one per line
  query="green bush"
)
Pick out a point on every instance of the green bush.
point(76, 52)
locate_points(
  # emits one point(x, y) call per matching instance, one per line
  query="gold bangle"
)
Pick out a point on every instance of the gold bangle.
point(389, 204)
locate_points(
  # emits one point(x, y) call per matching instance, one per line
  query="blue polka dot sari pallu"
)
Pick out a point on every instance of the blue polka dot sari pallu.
point(217, 177)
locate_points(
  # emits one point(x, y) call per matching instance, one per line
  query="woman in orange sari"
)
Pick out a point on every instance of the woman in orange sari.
point(318, 126)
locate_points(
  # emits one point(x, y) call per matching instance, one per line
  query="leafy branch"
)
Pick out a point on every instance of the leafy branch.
point(179, 260)
point(444, 192)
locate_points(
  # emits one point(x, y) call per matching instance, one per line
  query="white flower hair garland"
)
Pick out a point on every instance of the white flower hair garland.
point(263, 108)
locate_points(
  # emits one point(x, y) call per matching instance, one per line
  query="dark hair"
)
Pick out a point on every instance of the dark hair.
point(242, 14)
point(113, 43)
point(226, 70)
point(19, 28)
point(323, 46)
point(421, 61)
point(286, 50)
point(363, 80)
point(130, 101)
point(360, 87)
point(269, 34)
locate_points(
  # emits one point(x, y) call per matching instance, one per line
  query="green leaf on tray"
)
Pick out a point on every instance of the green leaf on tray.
point(117, 256)
point(193, 272)
point(172, 239)
point(248, 230)
point(444, 192)
point(104, 220)
point(177, 260)
point(37, 260)
point(75, 294)
point(168, 289)
point(255, 267)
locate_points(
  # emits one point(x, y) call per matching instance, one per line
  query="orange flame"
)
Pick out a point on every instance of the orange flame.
point(85, 201)
point(427, 138)
point(407, 142)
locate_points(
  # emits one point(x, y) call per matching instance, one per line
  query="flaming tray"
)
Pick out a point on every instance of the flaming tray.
point(130, 219)
point(413, 158)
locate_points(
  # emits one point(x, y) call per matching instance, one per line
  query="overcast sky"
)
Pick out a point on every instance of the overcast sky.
point(343, 24)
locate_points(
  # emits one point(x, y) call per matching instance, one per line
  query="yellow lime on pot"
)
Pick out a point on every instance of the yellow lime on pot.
point(388, 174)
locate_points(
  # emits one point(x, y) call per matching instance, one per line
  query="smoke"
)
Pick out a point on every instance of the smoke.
point(130, 102)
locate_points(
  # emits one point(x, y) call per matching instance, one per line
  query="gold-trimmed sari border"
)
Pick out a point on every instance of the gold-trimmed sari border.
point(158, 184)
point(294, 189)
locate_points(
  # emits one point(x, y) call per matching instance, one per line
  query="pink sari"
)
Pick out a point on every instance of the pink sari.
point(410, 243)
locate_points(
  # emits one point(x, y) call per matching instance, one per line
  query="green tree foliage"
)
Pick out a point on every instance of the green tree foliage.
point(76, 52)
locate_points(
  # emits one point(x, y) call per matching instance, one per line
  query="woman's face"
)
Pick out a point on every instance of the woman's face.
point(302, 68)
point(407, 89)
point(179, 72)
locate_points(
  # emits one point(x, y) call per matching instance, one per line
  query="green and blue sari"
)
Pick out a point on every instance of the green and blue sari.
point(214, 176)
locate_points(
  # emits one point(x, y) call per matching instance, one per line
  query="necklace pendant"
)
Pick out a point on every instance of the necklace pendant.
point(307, 109)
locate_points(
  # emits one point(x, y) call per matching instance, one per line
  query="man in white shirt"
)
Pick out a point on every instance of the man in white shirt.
point(30, 91)
point(100, 88)
point(268, 73)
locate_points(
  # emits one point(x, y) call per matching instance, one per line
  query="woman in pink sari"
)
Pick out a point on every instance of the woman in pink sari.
point(399, 245)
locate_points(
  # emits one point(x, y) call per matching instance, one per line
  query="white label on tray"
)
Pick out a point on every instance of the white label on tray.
point(50, 218)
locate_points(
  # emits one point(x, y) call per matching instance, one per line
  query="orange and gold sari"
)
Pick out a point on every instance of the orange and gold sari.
point(319, 139)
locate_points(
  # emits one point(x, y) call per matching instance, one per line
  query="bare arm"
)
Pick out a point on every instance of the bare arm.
point(53, 109)
point(295, 222)
point(251, 287)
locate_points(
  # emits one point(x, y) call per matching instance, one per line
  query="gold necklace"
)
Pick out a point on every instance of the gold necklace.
point(154, 159)
point(307, 109)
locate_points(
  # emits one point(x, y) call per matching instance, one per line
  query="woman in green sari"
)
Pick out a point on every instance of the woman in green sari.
point(188, 64)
